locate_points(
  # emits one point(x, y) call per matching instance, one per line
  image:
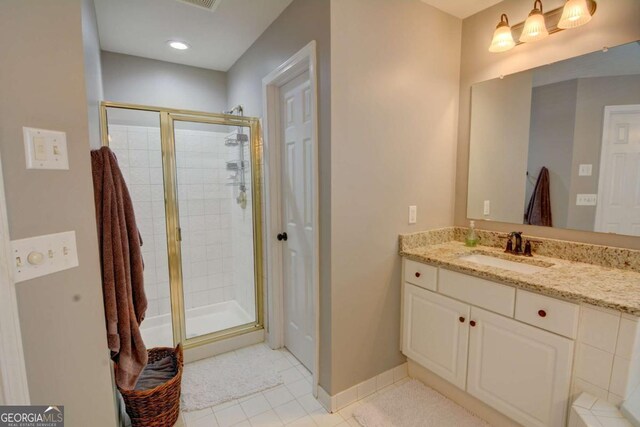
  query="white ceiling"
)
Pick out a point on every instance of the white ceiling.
point(217, 39)
point(462, 8)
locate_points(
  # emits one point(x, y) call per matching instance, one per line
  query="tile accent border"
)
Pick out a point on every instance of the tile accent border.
point(607, 357)
point(362, 390)
point(588, 410)
point(604, 256)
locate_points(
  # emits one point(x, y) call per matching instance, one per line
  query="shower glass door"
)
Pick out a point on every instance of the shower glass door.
point(213, 170)
point(134, 137)
point(195, 182)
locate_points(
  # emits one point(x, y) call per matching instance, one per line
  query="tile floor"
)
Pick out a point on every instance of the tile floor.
point(290, 404)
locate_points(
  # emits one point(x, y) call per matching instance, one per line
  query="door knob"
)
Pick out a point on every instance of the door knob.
point(283, 236)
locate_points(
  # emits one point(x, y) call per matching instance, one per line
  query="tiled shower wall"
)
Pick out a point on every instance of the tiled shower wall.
point(140, 159)
point(205, 217)
point(207, 204)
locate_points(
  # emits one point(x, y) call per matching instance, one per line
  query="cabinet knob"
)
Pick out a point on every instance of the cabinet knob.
point(461, 319)
point(472, 323)
point(542, 313)
point(417, 274)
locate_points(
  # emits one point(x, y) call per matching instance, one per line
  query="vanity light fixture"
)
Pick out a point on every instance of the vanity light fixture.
point(178, 45)
point(502, 37)
point(574, 14)
point(535, 27)
point(539, 25)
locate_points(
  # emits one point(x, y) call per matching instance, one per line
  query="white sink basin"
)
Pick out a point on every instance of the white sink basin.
point(489, 261)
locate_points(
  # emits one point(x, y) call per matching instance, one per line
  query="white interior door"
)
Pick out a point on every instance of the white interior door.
point(619, 188)
point(297, 217)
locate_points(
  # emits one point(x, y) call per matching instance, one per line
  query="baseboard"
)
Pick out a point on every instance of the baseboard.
point(223, 346)
point(461, 397)
point(326, 400)
point(360, 391)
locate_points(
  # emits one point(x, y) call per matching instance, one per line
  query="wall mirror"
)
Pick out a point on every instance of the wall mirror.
point(559, 145)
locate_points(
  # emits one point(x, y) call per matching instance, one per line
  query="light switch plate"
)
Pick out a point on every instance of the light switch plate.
point(413, 214)
point(587, 200)
point(585, 170)
point(487, 207)
point(42, 255)
point(45, 149)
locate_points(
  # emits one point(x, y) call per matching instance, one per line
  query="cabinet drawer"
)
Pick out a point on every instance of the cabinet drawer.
point(423, 275)
point(482, 293)
point(547, 313)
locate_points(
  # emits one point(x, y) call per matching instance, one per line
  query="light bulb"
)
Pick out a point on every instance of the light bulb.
point(502, 37)
point(178, 45)
point(574, 14)
point(535, 27)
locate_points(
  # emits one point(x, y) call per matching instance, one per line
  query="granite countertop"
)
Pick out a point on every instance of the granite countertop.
point(614, 288)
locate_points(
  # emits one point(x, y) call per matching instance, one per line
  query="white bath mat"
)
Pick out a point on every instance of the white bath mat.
point(413, 404)
point(229, 376)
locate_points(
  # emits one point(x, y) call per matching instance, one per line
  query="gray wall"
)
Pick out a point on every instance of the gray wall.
point(498, 149)
point(92, 70)
point(553, 112)
point(135, 80)
point(301, 22)
point(615, 23)
point(61, 315)
point(592, 96)
point(394, 103)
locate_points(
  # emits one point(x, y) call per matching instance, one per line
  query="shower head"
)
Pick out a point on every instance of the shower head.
point(238, 108)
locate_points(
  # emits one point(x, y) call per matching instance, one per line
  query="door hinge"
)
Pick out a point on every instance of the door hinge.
point(179, 233)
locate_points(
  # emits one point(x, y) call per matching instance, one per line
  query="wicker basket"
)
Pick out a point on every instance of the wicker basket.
point(159, 406)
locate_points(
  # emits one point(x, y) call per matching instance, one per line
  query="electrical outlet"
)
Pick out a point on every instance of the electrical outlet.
point(587, 200)
point(487, 207)
point(585, 170)
point(413, 214)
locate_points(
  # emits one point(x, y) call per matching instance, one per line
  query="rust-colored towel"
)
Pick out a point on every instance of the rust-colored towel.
point(125, 302)
point(539, 209)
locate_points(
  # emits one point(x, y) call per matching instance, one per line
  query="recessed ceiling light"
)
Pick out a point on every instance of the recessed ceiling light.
point(178, 45)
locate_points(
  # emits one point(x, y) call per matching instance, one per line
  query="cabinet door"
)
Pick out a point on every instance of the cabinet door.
point(522, 371)
point(436, 333)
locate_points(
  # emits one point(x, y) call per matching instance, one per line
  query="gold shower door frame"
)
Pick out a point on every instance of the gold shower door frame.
point(167, 119)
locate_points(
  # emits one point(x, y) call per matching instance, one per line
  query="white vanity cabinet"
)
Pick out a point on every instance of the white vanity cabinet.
point(521, 370)
point(431, 318)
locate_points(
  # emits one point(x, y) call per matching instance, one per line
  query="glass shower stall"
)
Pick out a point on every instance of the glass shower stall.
point(195, 180)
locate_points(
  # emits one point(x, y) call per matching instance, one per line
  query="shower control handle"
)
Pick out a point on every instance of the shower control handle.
point(283, 236)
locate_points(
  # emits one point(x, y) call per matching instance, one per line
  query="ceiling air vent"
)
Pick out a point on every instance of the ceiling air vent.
point(204, 4)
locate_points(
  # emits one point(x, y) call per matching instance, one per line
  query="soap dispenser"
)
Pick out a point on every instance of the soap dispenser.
point(472, 238)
